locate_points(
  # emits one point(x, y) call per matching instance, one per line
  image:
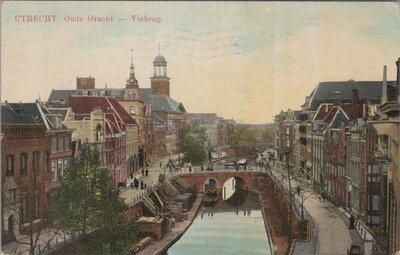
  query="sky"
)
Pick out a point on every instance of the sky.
point(241, 60)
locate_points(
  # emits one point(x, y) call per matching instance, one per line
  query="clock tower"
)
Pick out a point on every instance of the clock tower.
point(160, 80)
point(132, 92)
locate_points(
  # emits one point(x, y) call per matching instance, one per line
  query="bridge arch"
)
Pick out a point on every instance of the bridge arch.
point(211, 183)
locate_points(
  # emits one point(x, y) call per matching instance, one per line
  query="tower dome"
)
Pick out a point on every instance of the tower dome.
point(159, 60)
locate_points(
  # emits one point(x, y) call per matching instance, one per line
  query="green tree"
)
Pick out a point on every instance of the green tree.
point(87, 202)
point(268, 136)
point(243, 135)
point(194, 140)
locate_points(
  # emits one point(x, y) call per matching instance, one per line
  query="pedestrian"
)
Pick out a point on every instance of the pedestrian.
point(147, 172)
point(173, 222)
point(141, 184)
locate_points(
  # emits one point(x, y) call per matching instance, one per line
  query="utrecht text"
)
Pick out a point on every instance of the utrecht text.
point(35, 18)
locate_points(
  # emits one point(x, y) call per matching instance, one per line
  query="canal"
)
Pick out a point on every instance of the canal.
point(232, 226)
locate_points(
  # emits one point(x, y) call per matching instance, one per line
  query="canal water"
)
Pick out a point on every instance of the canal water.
point(232, 226)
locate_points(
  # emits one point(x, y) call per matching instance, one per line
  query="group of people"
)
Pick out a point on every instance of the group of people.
point(135, 183)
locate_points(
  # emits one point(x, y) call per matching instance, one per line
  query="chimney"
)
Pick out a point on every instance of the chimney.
point(384, 97)
point(338, 97)
point(398, 79)
point(355, 97)
point(85, 83)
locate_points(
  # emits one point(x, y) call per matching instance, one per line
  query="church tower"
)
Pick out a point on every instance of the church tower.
point(132, 102)
point(132, 92)
point(160, 80)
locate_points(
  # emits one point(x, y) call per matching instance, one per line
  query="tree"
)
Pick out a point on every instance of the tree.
point(243, 135)
point(268, 136)
point(194, 140)
point(87, 202)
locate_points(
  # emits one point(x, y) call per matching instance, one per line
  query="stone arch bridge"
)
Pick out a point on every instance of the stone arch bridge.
point(244, 179)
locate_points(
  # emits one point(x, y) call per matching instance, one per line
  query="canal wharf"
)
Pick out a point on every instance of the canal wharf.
point(157, 247)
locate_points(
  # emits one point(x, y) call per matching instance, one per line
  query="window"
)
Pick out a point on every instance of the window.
point(36, 206)
point(375, 203)
point(46, 160)
point(374, 173)
point(67, 143)
point(23, 163)
point(53, 144)
point(132, 110)
point(60, 165)
point(10, 165)
point(35, 161)
point(60, 144)
point(13, 196)
point(54, 170)
point(24, 208)
point(66, 164)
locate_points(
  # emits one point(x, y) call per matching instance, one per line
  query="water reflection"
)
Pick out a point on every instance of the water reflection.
point(224, 229)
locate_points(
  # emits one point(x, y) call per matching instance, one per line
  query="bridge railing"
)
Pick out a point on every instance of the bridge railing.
point(216, 168)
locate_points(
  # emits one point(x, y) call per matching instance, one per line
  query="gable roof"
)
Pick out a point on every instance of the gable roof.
point(351, 112)
point(166, 104)
point(115, 115)
point(21, 114)
point(322, 111)
point(368, 90)
point(60, 95)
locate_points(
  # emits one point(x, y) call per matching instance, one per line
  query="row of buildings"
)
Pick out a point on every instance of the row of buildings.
point(130, 126)
point(345, 139)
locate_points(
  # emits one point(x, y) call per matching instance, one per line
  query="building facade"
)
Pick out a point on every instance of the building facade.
point(103, 122)
point(25, 168)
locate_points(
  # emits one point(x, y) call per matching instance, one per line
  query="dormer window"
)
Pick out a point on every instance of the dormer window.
point(132, 110)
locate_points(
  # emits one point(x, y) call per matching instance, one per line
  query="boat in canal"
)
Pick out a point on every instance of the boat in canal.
point(211, 196)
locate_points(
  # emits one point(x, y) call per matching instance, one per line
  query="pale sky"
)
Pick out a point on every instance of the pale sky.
point(241, 60)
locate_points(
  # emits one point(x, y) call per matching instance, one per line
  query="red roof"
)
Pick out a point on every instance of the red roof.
point(353, 112)
point(115, 115)
point(322, 111)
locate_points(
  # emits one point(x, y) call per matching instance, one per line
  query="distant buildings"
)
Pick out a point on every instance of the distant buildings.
point(348, 134)
point(219, 131)
point(141, 104)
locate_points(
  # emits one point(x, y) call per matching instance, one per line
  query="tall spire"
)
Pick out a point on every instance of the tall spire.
point(132, 80)
point(132, 69)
